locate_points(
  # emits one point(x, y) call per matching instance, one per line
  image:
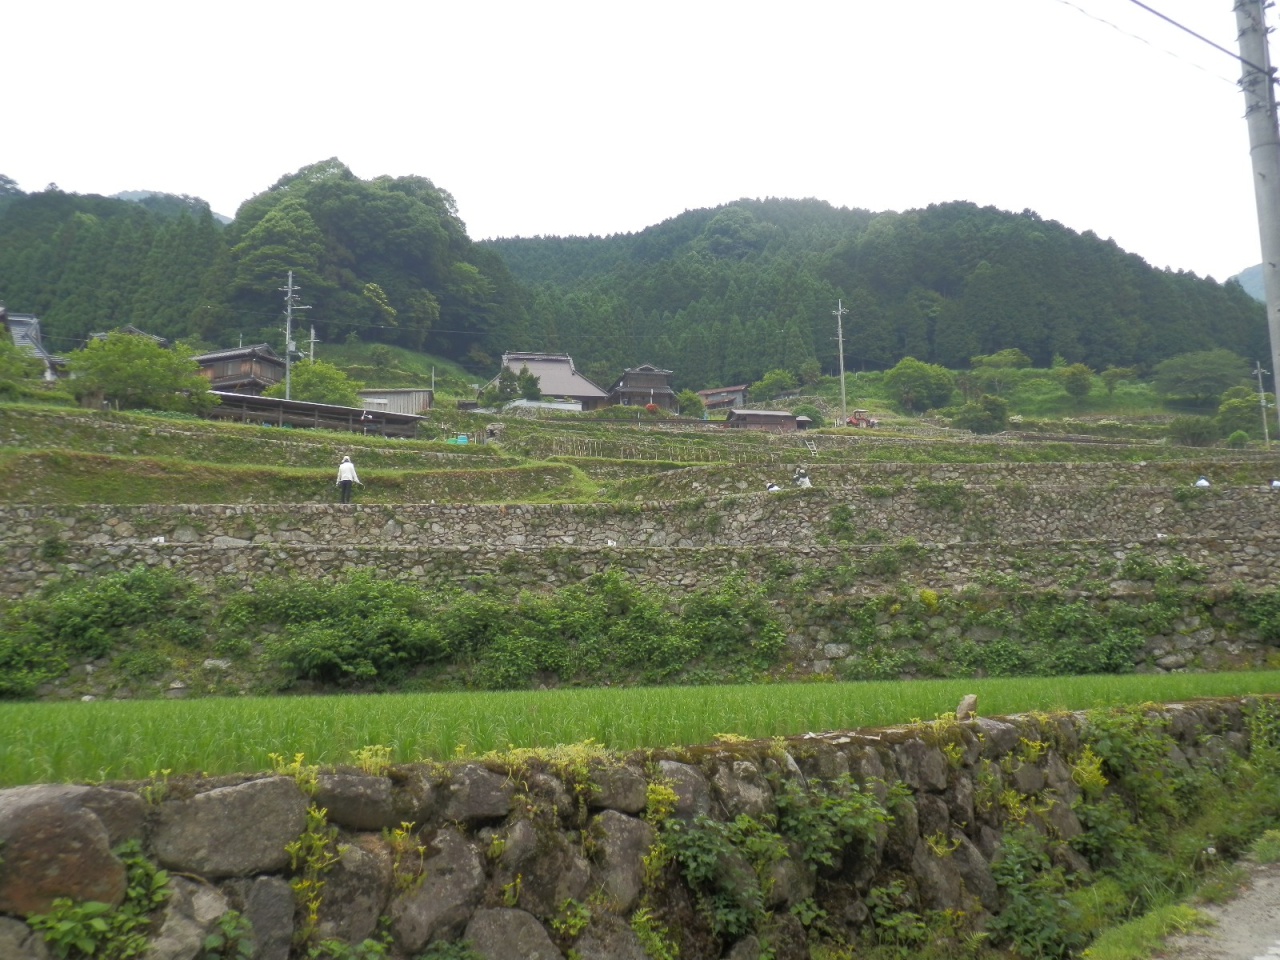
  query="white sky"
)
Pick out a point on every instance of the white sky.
point(560, 117)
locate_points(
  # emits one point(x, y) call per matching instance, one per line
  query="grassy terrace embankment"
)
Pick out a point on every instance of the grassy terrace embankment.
point(122, 740)
point(67, 476)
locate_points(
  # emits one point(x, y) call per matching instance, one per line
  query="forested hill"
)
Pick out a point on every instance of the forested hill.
point(386, 259)
point(720, 295)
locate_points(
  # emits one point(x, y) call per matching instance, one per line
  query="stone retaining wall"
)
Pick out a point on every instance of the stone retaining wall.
point(721, 479)
point(1208, 634)
point(507, 847)
point(789, 519)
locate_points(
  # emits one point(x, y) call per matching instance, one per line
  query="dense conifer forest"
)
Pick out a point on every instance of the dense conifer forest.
point(718, 295)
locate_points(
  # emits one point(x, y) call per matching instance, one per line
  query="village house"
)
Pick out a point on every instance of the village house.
point(643, 385)
point(242, 369)
point(24, 330)
point(724, 398)
point(557, 378)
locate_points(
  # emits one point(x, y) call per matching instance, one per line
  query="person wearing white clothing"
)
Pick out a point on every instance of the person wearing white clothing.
point(346, 477)
point(1202, 482)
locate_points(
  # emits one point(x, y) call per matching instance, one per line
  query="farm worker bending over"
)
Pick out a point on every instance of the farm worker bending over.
point(346, 477)
point(1202, 482)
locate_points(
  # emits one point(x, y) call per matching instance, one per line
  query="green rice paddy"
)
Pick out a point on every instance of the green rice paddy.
point(101, 740)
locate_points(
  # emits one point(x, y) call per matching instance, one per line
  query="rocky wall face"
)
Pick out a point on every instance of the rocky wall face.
point(945, 514)
point(529, 858)
point(818, 593)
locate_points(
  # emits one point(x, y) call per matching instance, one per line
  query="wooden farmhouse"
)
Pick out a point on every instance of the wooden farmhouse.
point(724, 398)
point(242, 369)
point(643, 385)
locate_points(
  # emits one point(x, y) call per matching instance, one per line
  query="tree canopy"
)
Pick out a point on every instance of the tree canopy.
point(919, 386)
point(136, 372)
point(318, 382)
point(1201, 375)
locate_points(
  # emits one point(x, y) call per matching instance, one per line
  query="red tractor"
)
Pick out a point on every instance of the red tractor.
point(861, 418)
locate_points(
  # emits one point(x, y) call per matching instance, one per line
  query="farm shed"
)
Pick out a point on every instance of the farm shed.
point(275, 412)
point(779, 420)
point(398, 400)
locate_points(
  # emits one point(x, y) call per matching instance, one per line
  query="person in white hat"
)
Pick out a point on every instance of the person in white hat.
point(346, 477)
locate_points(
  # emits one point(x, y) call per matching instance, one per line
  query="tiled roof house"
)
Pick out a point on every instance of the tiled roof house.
point(557, 377)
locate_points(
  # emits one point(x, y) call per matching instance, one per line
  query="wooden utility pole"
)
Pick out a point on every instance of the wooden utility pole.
point(1258, 82)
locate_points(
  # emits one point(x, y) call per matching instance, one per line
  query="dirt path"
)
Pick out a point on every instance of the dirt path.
point(1247, 928)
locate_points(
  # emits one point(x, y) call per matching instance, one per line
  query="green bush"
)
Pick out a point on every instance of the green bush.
point(1238, 440)
point(812, 412)
point(987, 415)
point(78, 618)
point(1036, 919)
point(367, 630)
point(1193, 431)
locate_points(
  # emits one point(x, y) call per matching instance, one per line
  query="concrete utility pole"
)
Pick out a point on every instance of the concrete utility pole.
point(1258, 83)
point(1262, 400)
point(840, 311)
point(290, 304)
point(313, 341)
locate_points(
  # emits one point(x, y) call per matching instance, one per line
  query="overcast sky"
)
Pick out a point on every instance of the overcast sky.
point(603, 117)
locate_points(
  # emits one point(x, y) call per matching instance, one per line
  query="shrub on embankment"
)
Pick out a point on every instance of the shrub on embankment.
point(147, 631)
point(1018, 836)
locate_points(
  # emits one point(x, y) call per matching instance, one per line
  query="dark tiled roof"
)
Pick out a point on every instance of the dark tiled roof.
point(258, 349)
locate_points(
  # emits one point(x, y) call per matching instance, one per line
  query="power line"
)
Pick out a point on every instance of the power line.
point(1134, 36)
point(1230, 53)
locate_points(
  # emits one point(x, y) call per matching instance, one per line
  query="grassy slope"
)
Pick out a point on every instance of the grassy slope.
point(61, 476)
point(407, 369)
point(130, 739)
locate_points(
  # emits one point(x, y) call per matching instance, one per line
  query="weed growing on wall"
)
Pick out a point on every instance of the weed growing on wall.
point(90, 929)
point(365, 629)
point(133, 611)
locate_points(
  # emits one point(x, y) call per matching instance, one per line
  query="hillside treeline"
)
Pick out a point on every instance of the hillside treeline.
point(387, 260)
point(718, 295)
point(723, 295)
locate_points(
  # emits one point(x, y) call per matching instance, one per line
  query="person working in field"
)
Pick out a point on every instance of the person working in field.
point(346, 477)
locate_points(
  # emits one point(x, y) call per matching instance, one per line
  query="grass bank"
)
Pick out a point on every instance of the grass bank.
point(131, 739)
point(66, 476)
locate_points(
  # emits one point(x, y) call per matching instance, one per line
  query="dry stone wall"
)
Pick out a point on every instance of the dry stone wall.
point(790, 519)
point(494, 851)
point(724, 479)
point(1207, 633)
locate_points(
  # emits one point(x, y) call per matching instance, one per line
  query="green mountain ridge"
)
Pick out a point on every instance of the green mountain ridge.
point(720, 295)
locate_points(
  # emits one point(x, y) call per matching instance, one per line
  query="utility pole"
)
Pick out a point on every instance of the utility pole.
point(290, 304)
point(1262, 400)
point(840, 311)
point(1258, 84)
point(313, 341)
